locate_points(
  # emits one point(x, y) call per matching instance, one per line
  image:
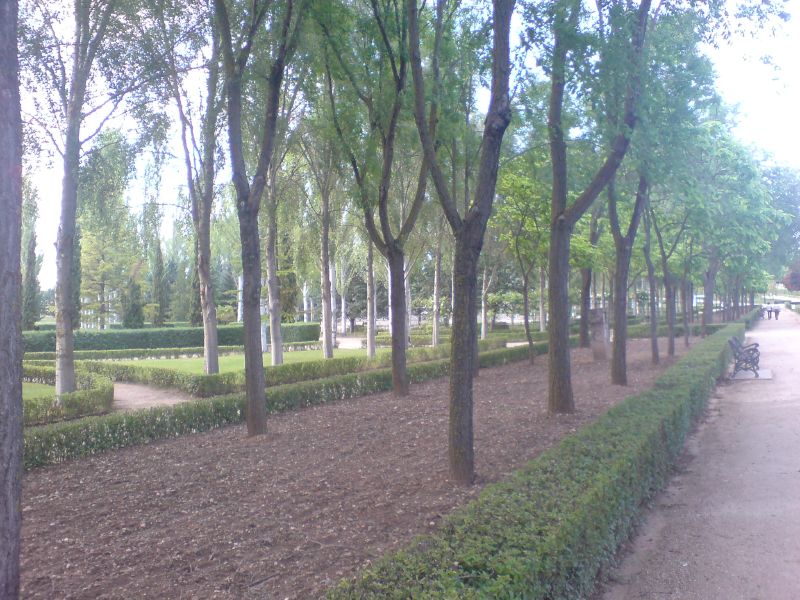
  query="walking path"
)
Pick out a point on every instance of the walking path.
point(133, 396)
point(728, 525)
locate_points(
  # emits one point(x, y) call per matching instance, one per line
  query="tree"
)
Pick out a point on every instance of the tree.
point(31, 301)
point(10, 308)
point(377, 75)
point(132, 306)
point(86, 70)
point(281, 22)
point(183, 49)
point(469, 229)
point(564, 49)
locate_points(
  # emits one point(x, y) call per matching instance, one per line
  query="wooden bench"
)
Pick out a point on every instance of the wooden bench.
point(745, 356)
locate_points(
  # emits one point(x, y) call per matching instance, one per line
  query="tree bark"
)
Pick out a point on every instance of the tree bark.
point(469, 230)
point(273, 283)
point(11, 446)
point(542, 288)
point(437, 291)
point(325, 261)
point(397, 291)
point(526, 314)
point(370, 300)
point(651, 280)
point(586, 305)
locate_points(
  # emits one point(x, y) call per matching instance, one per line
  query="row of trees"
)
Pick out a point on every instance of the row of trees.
point(338, 114)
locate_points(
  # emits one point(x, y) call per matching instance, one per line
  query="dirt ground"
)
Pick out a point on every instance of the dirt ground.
point(286, 515)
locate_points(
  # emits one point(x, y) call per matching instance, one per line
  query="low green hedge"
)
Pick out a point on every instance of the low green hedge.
point(94, 396)
point(145, 353)
point(545, 532)
point(59, 442)
point(164, 337)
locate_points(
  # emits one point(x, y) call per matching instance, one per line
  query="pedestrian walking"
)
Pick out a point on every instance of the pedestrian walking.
point(777, 311)
point(769, 311)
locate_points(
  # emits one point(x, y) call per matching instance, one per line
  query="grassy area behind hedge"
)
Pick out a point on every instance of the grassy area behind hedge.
point(545, 532)
point(94, 396)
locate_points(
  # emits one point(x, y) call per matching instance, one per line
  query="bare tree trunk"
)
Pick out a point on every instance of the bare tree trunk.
point(397, 292)
point(334, 313)
point(343, 296)
point(10, 305)
point(389, 303)
point(526, 314)
point(325, 261)
point(306, 303)
point(651, 280)
point(437, 292)
point(407, 292)
point(542, 288)
point(485, 283)
point(273, 283)
point(370, 300)
point(586, 301)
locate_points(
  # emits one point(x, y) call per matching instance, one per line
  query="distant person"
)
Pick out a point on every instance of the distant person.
point(769, 311)
point(777, 310)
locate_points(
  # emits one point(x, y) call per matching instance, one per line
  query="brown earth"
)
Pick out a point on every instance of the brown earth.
point(286, 515)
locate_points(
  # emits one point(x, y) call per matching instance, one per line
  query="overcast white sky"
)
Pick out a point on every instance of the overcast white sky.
point(766, 96)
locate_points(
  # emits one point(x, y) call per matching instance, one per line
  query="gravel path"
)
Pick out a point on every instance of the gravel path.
point(133, 396)
point(728, 525)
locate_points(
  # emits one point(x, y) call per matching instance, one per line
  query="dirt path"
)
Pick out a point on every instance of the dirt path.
point(329, 489)
point(728, 525)
point(133, 396)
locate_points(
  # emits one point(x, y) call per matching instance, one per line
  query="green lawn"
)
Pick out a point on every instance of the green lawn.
point(37, 390)
point(235, 362)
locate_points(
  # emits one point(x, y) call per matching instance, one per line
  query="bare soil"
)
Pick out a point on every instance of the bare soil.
point(327, 491)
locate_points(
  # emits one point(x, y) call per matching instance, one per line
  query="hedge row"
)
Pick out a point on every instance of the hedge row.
point(59, 442)
point(205, 386)
point(146, 353)
point(171, 337)
point(94, 396)
point(545, 532)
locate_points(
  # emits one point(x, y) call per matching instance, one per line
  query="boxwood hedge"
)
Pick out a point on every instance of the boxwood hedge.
point(545, 532)
point(94, 396)
point(165, 337)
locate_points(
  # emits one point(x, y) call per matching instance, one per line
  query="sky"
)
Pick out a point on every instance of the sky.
point(764, 94)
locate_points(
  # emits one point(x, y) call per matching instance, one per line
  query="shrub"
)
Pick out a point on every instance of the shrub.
point(546, 531)
point(94, 396)
point(163, 337)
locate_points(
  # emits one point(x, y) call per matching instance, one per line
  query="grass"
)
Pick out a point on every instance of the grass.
point(235, 362)
point(37, 390)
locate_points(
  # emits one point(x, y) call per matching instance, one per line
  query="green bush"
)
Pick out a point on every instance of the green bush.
point(94, 396)
point(163, 337)
point(546, 531)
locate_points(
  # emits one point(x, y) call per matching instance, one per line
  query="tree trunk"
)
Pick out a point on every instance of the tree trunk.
point(102, 301)
point(251, 307)
point(207, 305)
point(65, 362)
point(370, 300)
point(619, 365)
point(325, 261)
point(389, 303)
point(652, 285)
point(671, 299)
point(463, 334)
point(334, 313)
point(306, 303)
point(437, 291)
point(273, 283)
point(542, 287)
point(709, 283)
point(407, 292)
point(560, 399)
point(397, 293)
point(343, 296)
point(526, 314)
point(486, 282)
point(586, 304)
point(10, 305)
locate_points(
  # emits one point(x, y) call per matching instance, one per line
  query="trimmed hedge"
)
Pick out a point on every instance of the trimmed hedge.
point(163, 337)
point(545, 532)
point(205, 386)
point(57, 443)
point(94, 396)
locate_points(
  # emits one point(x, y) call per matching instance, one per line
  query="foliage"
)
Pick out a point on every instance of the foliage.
point(94, 396)
point(133, 307)
point(547, 530)
point(171, 337)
